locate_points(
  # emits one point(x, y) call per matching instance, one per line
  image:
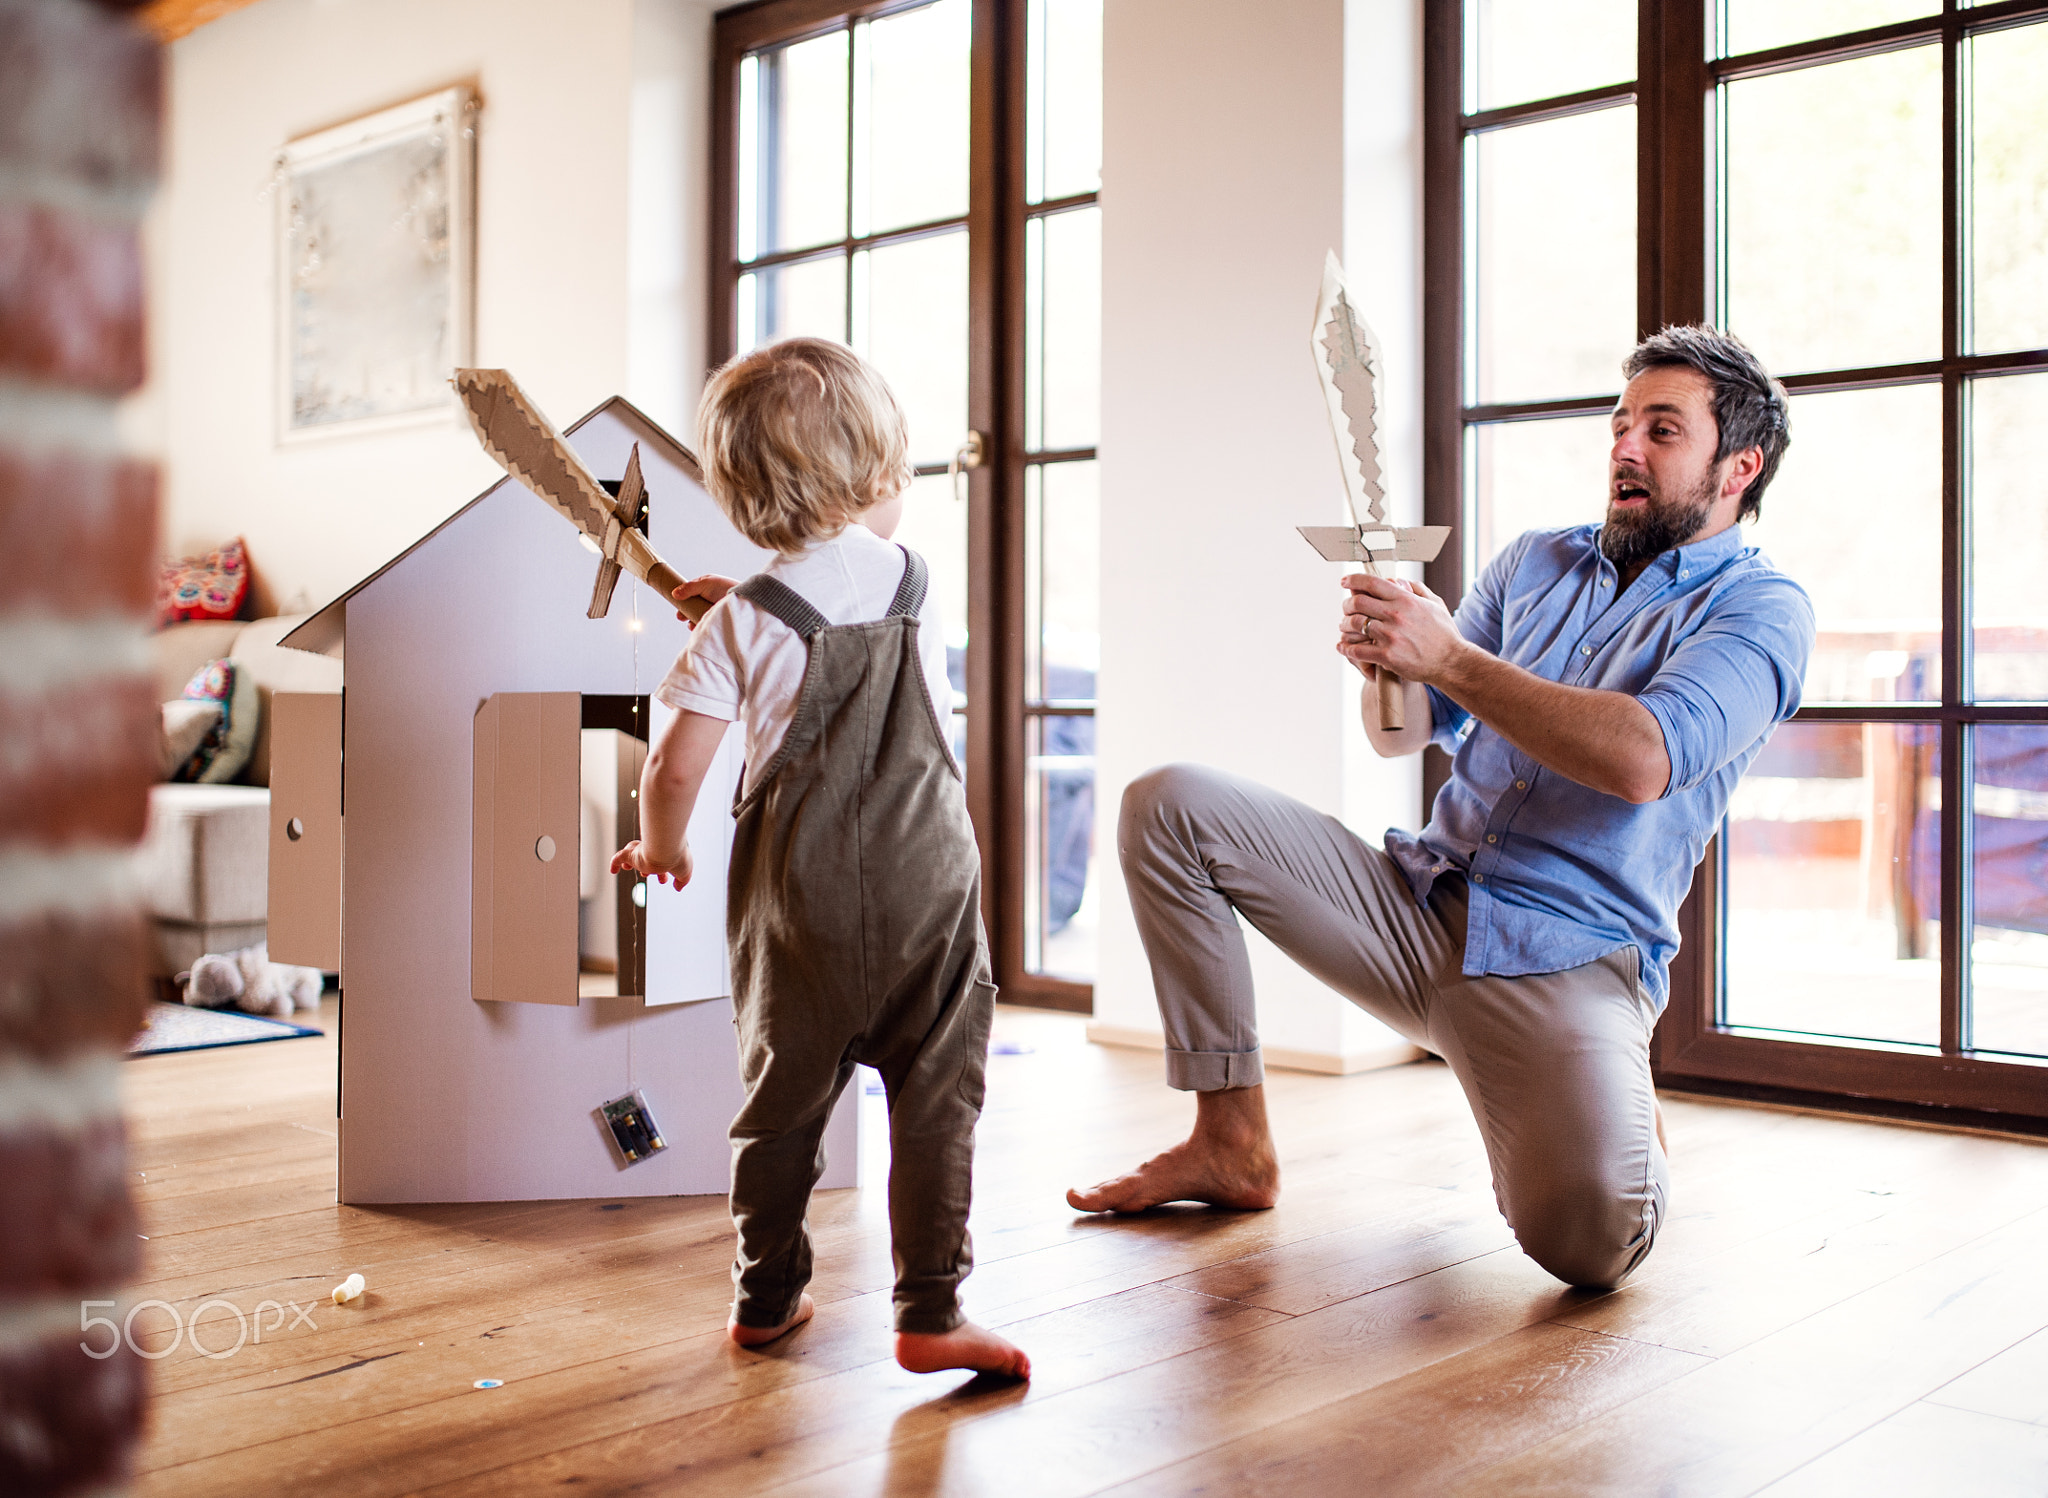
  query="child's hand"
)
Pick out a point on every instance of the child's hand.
point(640, 859)
point(710, 587)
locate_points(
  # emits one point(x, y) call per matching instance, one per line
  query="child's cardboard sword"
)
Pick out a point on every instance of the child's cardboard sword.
point(1348, 363)
point(528, 447)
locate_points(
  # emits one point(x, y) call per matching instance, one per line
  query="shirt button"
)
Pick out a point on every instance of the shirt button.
point(1606, 582)
point(1491, 838)
point(1585, 650)
point(1521, 785)
point(1479, 879)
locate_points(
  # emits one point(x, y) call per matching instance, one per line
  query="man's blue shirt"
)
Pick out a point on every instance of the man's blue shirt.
point(1712, 639)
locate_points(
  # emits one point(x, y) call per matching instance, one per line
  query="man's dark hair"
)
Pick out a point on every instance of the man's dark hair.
point(1749, 406)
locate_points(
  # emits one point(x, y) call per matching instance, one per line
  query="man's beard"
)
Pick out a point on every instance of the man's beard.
point(1631, 538)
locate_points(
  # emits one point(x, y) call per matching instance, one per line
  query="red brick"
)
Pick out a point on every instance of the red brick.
point(68, 1422)
point(79, 533)
point(70, 298)
point(73, 983)
point(76, 763)
point(80, 93)
point(67, 1224)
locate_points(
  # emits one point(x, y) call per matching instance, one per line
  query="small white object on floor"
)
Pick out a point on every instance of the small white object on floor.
point(248, 980)
point(348, 1289)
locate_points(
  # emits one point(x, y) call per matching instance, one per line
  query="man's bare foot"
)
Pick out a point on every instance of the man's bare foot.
point(1228, 1161)
point(755, 1336)
point(965, 1346)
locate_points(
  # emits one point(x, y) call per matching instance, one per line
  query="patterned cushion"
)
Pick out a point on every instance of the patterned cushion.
point(226, 747)
point(186, 723)
point(214, 586)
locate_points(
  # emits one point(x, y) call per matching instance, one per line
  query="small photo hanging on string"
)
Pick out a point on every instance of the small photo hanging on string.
point(633, 1128)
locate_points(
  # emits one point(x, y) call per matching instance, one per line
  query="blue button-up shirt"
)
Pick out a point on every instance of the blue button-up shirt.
point(1712, 639)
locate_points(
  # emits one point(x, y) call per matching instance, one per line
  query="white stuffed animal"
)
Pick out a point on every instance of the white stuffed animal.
point(248, 980)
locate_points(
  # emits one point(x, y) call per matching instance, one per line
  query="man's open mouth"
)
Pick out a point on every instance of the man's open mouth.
point(1627, 493)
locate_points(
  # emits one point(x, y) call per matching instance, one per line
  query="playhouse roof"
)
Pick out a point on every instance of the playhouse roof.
point(323, 631)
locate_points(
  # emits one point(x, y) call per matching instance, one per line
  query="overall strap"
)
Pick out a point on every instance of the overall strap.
point(910, 592)
point(784, 602)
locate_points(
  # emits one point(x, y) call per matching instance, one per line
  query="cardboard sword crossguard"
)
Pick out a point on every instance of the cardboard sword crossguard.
point(526, 445)
point(1349, 367)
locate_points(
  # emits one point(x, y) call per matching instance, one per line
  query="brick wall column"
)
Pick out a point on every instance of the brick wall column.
point(80, 96)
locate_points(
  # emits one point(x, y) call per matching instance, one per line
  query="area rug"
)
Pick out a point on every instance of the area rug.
point(174, 1027)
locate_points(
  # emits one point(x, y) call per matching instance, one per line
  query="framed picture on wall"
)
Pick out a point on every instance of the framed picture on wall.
point(376, 268)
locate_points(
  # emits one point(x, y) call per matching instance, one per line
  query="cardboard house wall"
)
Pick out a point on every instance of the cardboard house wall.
point(445, 1098)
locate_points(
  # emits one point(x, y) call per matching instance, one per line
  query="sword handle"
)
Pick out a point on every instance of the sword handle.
point(664, 579)
point(1392, 716)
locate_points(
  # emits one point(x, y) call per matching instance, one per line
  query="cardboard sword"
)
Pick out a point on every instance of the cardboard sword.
point(527, 446)
point(1349, 365)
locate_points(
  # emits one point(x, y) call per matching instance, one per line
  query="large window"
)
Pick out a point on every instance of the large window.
point(920, 181)
point(1859, 189)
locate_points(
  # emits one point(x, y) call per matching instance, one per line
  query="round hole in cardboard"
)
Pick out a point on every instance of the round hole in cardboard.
point(544, 850)
point(295, 829)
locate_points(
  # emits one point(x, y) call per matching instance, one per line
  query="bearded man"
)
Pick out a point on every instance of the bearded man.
point(1602, 688)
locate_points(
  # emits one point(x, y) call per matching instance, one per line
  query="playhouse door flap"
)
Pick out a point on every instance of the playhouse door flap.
point(525, 833)
point(305, 829)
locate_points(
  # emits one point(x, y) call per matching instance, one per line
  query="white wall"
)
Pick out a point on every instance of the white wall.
point(590, 242)
point(1241, 142)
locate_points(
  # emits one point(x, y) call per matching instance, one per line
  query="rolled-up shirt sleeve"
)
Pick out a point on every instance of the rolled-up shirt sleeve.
point(1727, 684)
point(1479, 619)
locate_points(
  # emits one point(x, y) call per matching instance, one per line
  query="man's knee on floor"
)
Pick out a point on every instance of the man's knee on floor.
point(1588, 1243)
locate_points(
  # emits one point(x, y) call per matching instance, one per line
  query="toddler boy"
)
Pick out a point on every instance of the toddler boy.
point(854, 894)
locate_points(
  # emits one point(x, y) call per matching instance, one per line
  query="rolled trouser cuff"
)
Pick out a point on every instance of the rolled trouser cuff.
point(1214, 1071)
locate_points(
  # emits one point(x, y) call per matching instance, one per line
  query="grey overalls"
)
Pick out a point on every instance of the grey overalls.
point(854, 917)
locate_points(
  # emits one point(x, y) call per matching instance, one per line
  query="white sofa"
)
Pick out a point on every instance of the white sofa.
point(205, 862)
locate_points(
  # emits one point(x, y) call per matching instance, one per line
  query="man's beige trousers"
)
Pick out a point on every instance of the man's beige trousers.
point(1555, 1065)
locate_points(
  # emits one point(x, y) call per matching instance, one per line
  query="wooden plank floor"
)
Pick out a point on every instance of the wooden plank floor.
point(1834, 1307)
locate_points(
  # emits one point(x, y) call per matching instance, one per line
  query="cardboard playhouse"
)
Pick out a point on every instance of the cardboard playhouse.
point(440, 834)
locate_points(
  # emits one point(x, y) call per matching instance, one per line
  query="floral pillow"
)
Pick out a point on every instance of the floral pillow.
point(214, 586)
point(230, 741)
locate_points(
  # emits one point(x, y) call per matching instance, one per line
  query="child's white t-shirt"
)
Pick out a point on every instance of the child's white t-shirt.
point(744, 663)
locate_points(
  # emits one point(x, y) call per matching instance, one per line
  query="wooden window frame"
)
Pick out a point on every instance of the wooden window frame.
point(996, 762)
point(1677, 258)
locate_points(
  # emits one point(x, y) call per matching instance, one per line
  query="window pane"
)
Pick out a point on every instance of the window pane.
point(806, 298)
point(910, 149)
point(1553, 226)
point(1063, 588)
point(2009, 189)
point(1834, 213)
point(1854, 515)
point(2009, 510)
point(1061, 895)
point(1527, 474)
point(911, 320)
point(1063, 128)
point(934, 525)
point(1833, 891)
point(2009, 971)
point(798, 142)
point(1537, 49)
point(1063, 329)
point(1754, 25)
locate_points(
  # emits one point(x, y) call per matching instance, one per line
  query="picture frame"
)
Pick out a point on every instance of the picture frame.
point(376, 268)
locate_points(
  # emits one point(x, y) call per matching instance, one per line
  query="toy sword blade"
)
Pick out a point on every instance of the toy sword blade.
point(1349, 367)
point(527, 446)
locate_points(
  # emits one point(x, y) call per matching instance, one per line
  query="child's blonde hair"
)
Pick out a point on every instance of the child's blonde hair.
point(798, 438)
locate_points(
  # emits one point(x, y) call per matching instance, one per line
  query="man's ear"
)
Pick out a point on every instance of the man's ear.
point(1743, 467)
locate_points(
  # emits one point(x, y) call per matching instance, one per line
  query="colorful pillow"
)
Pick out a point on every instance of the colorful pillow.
point(214, 586)
point(227, 746)
point(186, 724)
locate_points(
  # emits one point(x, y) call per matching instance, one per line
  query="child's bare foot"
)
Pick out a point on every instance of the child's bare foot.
point(965, 1346)
point(755, 1336)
